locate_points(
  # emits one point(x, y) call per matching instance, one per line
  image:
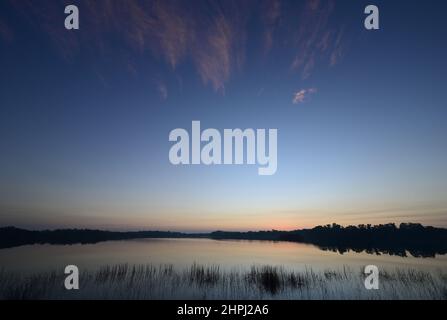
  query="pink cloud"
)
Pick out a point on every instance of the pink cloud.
point(302, 95)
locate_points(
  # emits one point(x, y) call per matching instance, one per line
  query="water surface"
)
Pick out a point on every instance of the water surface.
point(182, 253)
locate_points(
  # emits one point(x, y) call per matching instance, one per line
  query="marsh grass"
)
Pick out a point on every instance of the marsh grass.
point(125, 281)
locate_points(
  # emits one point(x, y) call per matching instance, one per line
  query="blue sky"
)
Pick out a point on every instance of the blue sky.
point(86, 114)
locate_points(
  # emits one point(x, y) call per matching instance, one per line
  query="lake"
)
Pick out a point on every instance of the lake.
point(182, 253)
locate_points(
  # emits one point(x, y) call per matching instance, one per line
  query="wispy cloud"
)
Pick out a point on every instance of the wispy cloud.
point(171, 30)
point(271, 14)
point(339, 49)
point(214, 58)
point(302, 95)
point(317, 39)
point(212, 36)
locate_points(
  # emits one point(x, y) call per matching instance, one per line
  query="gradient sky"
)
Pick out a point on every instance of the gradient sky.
point(85, 115)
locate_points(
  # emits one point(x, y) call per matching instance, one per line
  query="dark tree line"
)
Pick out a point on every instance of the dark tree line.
point(12, 237)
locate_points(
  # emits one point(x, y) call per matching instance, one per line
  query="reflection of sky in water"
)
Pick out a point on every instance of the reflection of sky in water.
point(184, 252)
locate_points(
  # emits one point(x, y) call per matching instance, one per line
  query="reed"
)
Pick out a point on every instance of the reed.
point(125, 281)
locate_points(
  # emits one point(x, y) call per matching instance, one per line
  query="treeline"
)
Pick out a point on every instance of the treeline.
point(419, 240)
point(12, 237)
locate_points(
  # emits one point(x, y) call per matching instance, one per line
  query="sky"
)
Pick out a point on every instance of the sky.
point(85, 115)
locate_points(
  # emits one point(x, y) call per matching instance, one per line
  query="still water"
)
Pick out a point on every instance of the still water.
point(182, 253)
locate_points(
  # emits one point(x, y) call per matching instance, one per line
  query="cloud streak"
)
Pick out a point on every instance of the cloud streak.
point(271, 15)
point(317, 39)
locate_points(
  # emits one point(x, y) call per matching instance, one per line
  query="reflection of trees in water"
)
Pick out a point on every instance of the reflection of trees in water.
point(408, 238)
point(417, 253)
